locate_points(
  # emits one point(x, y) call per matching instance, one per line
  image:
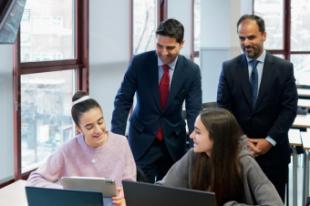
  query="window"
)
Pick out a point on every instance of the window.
point(300, 27)
point(196, 31)
point(144, 25)
point(288, 35)
point(273, 16)
point(146, 14)
point(51, 63)
point(45, 114)
point(47, 31)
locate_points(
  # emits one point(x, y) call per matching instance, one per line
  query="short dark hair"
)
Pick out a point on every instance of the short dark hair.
point(259, 21)
point(172, 28)
point(79, 108)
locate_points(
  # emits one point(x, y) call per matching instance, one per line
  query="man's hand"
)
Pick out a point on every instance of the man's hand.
point(258, 147)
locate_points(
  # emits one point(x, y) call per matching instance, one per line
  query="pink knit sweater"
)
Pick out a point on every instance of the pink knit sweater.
point(112, 160)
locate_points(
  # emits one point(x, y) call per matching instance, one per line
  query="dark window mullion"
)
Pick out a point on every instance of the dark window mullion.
point(36, 67)
point(287, 29)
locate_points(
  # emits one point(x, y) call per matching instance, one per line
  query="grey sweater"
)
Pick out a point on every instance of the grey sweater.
point(257, 187)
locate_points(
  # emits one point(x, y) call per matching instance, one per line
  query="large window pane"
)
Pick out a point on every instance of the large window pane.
point(301, 68)
point(144, 25)
point(272, 12)
point(300, 31)
point(45, 114)
point(47, 30)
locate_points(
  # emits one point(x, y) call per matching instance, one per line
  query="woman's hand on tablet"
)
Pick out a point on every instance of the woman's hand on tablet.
point(119, 199)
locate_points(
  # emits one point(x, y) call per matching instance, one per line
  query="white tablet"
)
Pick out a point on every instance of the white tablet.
point(94, 184)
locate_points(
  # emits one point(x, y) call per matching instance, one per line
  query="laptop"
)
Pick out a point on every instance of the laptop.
point(142, 194)
point(58, 197)
point(93, 184)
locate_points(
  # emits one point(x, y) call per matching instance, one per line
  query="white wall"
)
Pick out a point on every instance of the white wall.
point(109, 46)
point(180, 10)
point(219, 40)
point(108, 33)
point(6, 113)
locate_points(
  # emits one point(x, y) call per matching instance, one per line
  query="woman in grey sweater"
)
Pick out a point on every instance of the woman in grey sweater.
point(220, 163)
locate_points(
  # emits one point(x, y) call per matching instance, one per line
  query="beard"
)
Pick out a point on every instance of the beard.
point(252, 51)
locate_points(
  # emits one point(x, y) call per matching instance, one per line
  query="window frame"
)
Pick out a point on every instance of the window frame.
point(194, 53)
point(162, 11)
point(80, 64)
point(286, 51)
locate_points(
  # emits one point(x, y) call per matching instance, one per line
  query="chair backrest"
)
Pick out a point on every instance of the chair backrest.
point(209, 105)
point(141, 177)
point(308, 201)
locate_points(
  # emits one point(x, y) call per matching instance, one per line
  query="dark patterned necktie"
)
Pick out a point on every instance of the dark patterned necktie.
point(254, 80)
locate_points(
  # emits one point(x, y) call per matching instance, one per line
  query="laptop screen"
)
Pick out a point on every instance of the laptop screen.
point(141, 194)
point(58, 197)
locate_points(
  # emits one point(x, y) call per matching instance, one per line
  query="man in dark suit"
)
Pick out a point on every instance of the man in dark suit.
point(162, 80)
point(259, 89)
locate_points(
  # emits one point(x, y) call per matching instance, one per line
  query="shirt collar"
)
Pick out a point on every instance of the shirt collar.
point(171, 65)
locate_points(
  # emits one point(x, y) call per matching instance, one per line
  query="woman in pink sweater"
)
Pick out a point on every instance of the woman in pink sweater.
point(93, 152)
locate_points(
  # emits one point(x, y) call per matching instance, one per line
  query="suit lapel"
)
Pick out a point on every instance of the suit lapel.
point(177, 80)
point(266, 78)
point(246, 86)
point(154, 79)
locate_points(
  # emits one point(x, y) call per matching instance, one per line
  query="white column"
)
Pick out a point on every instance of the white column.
point(219, 40)
point(6, 113)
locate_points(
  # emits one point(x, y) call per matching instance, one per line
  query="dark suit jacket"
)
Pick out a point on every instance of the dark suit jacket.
point(142, 78)
point(275, 108)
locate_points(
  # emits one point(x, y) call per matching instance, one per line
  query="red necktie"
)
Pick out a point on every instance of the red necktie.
point(163, 94)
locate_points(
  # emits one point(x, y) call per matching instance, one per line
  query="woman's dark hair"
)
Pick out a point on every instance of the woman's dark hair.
point(79, 108)
point(221, 172)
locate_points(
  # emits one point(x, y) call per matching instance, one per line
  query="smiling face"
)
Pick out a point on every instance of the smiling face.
point(251, 39)
point(201, 138)
point(92, 126)
point(167, 48)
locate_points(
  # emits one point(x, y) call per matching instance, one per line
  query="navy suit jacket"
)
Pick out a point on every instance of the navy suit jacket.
point(275, 108)
point(142, 78)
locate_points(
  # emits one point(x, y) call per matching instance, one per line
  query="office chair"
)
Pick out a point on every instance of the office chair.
point(308, 201)
point(141, 177)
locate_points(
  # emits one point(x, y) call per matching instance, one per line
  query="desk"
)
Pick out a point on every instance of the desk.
point(303, 93)
point(14, 194)
point(305, 136)
point(295, 141)
point(302, 121)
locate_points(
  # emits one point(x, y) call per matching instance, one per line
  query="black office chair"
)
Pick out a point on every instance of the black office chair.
point(308, 201)
point(209, 105)
point(141, 177)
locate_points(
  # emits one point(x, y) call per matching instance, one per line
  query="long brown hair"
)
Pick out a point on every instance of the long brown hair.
point(221, 172)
